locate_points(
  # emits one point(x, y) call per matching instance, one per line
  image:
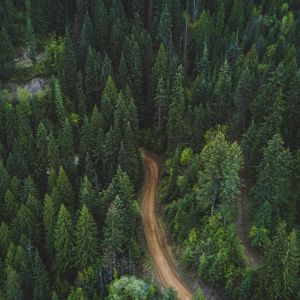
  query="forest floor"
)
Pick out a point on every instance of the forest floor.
point(251, 255)
point(156, 239)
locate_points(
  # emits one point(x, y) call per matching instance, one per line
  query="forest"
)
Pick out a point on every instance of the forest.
point(209, 88)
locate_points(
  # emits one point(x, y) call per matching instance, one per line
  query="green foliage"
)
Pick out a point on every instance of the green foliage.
point(199, 295)
point(70, 152)
point(219, 182)
point(86, 243)
point(63, 242)
point(6, 55)
point(277, 277)
point(274, 180)
point(31, 40)
point(176, 126)
point(128, 288)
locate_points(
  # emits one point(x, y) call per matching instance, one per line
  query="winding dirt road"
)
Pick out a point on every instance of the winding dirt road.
point(164, 267)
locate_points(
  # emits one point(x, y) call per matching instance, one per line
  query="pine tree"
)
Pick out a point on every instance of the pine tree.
point(63, 243)
point(274, 177)
point(6, 55)
point(291, 262)
point(69, 67)
point(106, 71)
point(102, 26)
point(91, 80)
point(244, 94)
point(10, 205)
point(40, 278)
point(49, 220)
point(41, 155)
point(87, 194)
point(31, 41)
point(108, 101)
point(59, 104)
point(86, 241)
point(123, 72)
point(114, 237)
point(223, 95)
point(175, 125)
point(66, 145)
point(165, 27)
point(237, 17)
point(161, 105)
point(80, 98)
point(12, 286)
point(26, 223)
point(218, 180)
point(86, 39)
point(53, 152)
point(159, 70)
point(203, 31)
point(64, 191)
point(134, 63)
point(117, 39)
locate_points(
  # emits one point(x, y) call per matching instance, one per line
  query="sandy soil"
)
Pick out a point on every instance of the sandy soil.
point(164, 267)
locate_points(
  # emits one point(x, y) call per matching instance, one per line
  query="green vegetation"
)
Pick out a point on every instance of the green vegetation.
point(213, 86)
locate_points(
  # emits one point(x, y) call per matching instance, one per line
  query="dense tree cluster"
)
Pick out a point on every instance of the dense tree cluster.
point(214, 85)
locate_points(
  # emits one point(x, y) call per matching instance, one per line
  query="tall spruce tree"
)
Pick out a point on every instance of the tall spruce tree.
point(63, 243)
point(86, 241)
point(176, 124)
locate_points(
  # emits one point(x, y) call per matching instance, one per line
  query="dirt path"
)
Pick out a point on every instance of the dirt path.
point(241, 227)
point(164, 267)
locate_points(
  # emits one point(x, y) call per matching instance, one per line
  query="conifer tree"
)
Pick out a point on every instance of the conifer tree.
point(108, 101)
point(40, 279)
point(274, 177)
point(6, 55)
point(31, 40)
point(114, 237)
point(49, 220)
point(244, 94)
point(102, 26)
point(161, 105)
point(69, 67)
point(64, 191)
point(80, 97)
point(63, 243)
point(165, 27)
point(175, 125)
point(12, 285)
point(10, 205)
point(59, 104)
point(86, 39)
point(87, 194)
point(66, 143)
point(86, 240)
point(53, 153)
point(291, 262)
point(91, 79)
point(134, 63)
point(223, 95)
point(219, 182)
point(42, 159)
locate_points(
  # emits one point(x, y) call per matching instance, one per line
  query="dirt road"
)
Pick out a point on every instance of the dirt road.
point(164, 267)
